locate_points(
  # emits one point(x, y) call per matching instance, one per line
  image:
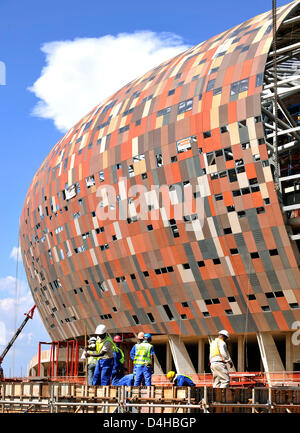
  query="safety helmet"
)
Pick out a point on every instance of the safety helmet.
point(224, 332)
point(140, 335)
point(147, 336)
point(170, 374)
point(118, 339)
point(101, 329)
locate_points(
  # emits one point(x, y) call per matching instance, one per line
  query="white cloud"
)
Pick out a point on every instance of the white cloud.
point(16, 253)
point(2, 333)
point(80, 74)
point(12, 286)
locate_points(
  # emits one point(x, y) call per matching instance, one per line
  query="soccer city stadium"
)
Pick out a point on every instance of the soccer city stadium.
point(173, 207)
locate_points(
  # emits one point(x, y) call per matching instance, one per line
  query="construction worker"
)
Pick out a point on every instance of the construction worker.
point(91, 359)
point(179, 379)
point(140, 338)
point(220, 360)
point(118, 367)
point(144, 361)
point(127, 380)
point(105, 348)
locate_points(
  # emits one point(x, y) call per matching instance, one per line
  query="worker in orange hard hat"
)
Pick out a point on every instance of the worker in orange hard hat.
point(118, 367)
point(144, 361)
point(220, 360)
point(140, 338)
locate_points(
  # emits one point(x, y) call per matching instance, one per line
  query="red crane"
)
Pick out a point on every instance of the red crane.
point(28, 315)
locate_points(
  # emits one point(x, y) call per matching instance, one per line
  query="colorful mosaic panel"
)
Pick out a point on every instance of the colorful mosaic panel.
point(157, 211)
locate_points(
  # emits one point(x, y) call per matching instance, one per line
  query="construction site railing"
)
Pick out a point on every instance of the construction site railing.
point(66, 397)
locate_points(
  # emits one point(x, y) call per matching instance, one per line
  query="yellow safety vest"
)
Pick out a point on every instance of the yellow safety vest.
point(92, 360)
point(122, 355)
point(100, 344)
point(142, 355)
point(214, 349)
point(184, 375)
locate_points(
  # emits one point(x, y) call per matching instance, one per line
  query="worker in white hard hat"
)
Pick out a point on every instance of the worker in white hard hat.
point(91, 360)
point(220, 360)
point(105, 348)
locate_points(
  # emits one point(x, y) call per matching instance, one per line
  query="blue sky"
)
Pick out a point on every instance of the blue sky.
point(146, 32)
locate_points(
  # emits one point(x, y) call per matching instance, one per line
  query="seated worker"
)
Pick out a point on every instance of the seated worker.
point(127, 380)
point(179, 379)
point(118, 367)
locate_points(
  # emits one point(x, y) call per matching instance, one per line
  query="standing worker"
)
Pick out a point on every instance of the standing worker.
point(220, 360)
point(105, 348)
point(118, 367)
point(144, 361)
point(179, 379)
point(92, 358)
point(140, 338)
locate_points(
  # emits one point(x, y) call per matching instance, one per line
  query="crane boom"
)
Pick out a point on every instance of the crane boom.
point(28, 315)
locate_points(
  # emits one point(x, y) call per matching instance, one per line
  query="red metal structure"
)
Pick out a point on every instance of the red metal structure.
point(71, 357)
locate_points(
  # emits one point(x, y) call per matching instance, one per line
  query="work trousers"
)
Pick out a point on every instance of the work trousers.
point(90, 372)
point(142, 372)
point(220, 373)
point(103, 371)
point(116, 375)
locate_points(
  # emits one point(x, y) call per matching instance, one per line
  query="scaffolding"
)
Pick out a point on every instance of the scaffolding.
point(52, 397)
point(281, 116)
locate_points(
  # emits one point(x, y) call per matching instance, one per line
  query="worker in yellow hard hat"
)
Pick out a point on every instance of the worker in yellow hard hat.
point(179, 379)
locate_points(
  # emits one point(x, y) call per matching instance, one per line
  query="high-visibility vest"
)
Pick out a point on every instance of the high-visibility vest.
point(92, 360)
point(184, 375)
point(101, 344)
point(142, 354)
point(214, 348)
point(121, 360)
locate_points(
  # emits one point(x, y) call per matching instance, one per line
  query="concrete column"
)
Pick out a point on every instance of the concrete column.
point(42, 370)
point(241, 353)
point(289, 353)
point(180, 355)
point(269, 354)
point(201, 356)
point(157, 366)
point(169, 358)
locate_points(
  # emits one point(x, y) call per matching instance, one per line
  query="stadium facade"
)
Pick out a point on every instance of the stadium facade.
point(173, 207)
